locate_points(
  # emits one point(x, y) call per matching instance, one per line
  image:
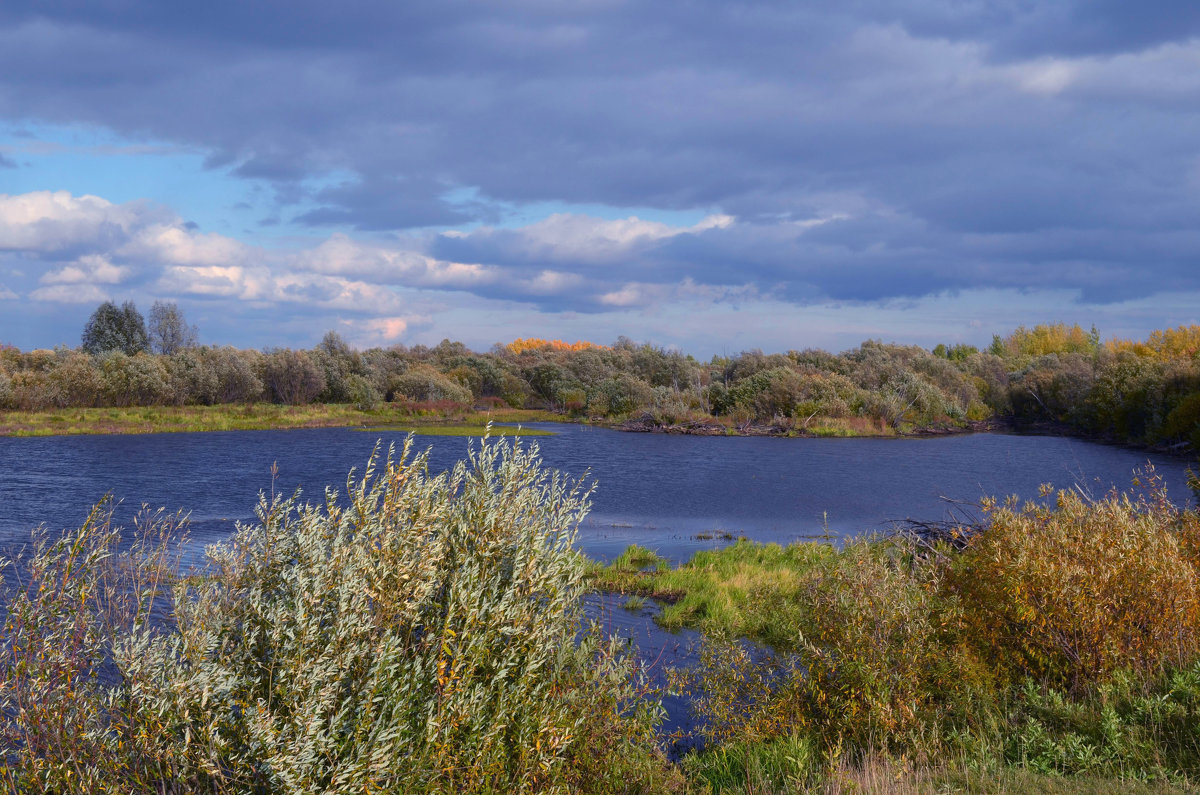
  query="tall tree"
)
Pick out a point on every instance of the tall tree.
point(115, 328)
point(169, 331)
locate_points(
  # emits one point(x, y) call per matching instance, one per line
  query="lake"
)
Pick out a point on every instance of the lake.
point(661, 491)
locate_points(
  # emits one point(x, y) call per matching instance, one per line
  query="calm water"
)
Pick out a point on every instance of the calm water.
point(656, 490)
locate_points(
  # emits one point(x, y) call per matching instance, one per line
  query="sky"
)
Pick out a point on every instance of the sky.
point(709, 176)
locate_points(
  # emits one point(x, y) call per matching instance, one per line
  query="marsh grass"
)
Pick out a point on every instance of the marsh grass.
point(715, 590)
point(634, 604)
point(427, 418)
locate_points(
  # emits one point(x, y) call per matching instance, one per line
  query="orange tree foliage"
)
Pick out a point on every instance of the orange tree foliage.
point(521, 344)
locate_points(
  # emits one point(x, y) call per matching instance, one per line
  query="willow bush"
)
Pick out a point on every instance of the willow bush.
point(1076, 590)
point(421, 633)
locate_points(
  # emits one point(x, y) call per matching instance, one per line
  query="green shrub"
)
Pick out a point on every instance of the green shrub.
point(361, 393)
point(1130, 727)
point(424, 383)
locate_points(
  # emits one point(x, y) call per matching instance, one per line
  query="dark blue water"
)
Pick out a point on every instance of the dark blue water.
point(657, 490)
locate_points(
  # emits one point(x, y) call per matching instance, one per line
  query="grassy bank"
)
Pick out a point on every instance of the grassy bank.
point(1055, 648)
point(456, 421)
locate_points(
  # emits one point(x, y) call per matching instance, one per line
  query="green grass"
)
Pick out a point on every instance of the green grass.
point(262, 416)
point(714, 591)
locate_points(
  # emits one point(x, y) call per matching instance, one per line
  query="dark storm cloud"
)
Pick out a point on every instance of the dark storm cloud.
point(874, 151)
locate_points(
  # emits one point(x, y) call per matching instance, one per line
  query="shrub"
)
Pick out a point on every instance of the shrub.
point(419, 634)
point(75, 381)
point(84, 704)
point(32, 390)
point(768, 393)
point(139, 380)
point(189, 378)
point(423, 383)
point(234, 372)
point(1074, 591)
point(361, 393)
point(292, 377)
point(866, 651)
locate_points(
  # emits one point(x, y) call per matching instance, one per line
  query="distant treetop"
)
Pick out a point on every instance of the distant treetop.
point(1173, 343)
point(533, 343)
point(169, 332)
point(113, 328)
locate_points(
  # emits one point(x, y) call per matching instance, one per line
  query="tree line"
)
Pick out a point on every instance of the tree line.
point(1143, 392)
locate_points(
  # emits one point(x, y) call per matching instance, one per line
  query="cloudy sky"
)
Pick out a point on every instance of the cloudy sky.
point(713, 176)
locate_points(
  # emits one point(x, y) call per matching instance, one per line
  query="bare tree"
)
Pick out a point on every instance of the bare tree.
point(169, 332)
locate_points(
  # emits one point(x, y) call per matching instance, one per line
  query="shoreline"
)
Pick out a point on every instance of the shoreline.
point(138, 420)
point(828, 429)
point(253, 417)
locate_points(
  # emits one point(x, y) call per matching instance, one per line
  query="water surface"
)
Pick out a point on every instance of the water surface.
point(657, 490)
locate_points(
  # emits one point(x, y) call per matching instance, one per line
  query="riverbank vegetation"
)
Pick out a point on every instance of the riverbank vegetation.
point(1054, 377)
point(420, 634)
point(1053, 646)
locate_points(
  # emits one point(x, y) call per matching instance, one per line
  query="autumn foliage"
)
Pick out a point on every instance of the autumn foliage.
point(1072, 591)
point(1174, 343)
point(522, 344)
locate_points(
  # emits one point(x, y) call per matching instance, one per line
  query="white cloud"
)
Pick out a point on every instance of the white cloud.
point(49, 221)
point(175, 244)
point(340, 255)
point(232, 281)
point(331, 292)
point(383, 330)
point(628, 295)
point(587, 238)
point(90, 268)
point(7, 294)
point(688, 291)
point(1046, 76)
point(70, 294)
point(550, 282)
